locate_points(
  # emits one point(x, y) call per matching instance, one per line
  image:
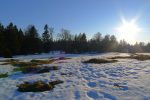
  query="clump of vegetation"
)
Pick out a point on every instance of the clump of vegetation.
point(47, 69)
point(8, 61)
point(18, 63)
point(3, 75)
point(33, 66)
point(38, 86)
point(70, 73)
point(140, 57)
point(18, 69)
point(119, 57)
point(99, 61)
point(118, 86)
point(22, 64)
point(42, 61)
point(29, 69)
point(63, 58)
point(35, 69)
point(55, 82)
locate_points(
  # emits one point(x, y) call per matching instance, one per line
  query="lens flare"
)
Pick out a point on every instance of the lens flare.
point(128, 30)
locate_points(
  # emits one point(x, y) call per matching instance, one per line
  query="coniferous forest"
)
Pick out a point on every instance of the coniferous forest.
point(15, 41)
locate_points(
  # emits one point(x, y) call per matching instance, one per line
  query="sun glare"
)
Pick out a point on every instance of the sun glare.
point(128, 31)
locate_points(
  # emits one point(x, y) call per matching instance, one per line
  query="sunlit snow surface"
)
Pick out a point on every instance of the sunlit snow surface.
point(86, 81)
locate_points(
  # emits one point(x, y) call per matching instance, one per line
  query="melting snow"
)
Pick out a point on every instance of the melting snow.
point(128, 79)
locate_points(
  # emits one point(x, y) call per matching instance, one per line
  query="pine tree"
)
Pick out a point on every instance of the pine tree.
point(47, 39)
point(31, 42)
point(1, 39)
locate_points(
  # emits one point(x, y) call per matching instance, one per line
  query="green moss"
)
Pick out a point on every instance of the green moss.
point(26, 69)
point(18, 69)
point(3, 75)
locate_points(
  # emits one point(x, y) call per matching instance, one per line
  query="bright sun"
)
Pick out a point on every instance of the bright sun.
point(128, 31)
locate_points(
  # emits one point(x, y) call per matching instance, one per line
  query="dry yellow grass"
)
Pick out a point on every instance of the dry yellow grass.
point(140, 57)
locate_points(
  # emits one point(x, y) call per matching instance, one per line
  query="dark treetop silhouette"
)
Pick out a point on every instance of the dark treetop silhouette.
point(14, 41)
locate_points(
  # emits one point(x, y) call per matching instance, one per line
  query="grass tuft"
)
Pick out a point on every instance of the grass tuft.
point(140, 57)
point(38, 86)
point(64, 58)
point(8, 61)
point(3, 75)
point(42, 61)
point(47, 69)
point(99, 61)
point(18, 63)
point(22, 64)
point(36, 69)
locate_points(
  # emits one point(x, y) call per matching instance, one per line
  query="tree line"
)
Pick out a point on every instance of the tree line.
point(15, 41)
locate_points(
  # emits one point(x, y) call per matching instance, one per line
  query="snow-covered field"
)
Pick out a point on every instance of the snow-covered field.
point(82, 81)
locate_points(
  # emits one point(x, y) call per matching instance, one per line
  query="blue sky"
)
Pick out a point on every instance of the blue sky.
point(89, 16)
